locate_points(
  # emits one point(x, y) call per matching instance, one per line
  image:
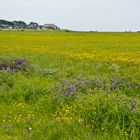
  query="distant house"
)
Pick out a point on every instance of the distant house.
point(6, 24)
point(2, 26)
point(33, 25)
point(41, 27)
point(19, 24)
point(50, 27)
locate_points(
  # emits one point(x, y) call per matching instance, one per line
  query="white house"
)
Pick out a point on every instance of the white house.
point(50, 27)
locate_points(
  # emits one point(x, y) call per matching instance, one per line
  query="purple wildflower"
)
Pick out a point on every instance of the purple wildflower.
point(7, 126)
point(0, 70)
point(132, 104)
point(71, 89)
point(11, 70)
point(114, 83)
point(83, 83)
point(66, 93)
point(19, 62)
point(12, 66)
point(104, 86)
point(5, 66)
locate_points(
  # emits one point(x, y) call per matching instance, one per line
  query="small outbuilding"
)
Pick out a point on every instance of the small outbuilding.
point(50, 27)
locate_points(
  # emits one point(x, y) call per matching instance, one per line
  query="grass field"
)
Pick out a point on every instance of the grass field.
point(69, 86)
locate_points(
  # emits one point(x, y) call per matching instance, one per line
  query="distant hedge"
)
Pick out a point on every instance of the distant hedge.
point(6, 22)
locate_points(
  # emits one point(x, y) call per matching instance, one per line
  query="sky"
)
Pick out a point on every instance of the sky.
point(80, 15)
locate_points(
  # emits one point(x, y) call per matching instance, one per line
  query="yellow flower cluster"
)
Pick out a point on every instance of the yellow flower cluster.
point(19, 49)
point(65, 114)
point(20, 105)
point(111, 56)
point(68, 114)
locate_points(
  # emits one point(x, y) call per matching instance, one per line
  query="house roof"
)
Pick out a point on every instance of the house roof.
point(49, 25)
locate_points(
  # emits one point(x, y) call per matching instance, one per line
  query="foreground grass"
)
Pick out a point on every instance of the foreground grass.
point(70, 86)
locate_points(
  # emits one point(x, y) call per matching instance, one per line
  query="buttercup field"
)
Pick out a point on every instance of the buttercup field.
point(57, 85)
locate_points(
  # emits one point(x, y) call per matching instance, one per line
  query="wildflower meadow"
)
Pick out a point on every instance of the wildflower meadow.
point(57, 85)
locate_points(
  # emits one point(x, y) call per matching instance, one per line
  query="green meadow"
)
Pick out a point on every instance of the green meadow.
point(57, 85)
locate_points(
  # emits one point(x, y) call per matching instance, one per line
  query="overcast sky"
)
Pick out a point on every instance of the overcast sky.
point(101, 15)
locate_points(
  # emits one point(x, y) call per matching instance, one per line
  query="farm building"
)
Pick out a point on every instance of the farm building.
point(50, 27)
point(33, 25)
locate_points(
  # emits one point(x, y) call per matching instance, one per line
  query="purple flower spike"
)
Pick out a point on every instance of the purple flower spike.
point(71, 89)
point(19, 62)
point(5, 66)
point(11, 70)
point(66, 93)
point(13, 66)
point(132, 104)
